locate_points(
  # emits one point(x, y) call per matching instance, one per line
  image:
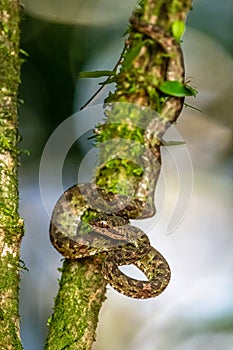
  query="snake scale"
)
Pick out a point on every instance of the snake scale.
point(109, 232)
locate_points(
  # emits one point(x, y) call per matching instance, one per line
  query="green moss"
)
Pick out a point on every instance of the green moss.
point(11, 225)
point(119, 176)
point(136, 83)
point(109, 131)
point(87, 216)
point(77, 305)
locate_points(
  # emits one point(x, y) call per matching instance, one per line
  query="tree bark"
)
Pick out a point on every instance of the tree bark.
point(11, 225)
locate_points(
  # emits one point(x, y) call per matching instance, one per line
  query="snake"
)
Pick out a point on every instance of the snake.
point(109, 233)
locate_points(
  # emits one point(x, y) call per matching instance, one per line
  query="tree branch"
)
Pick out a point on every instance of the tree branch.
point(81, 294)
point(11, 225)
point(82, 288)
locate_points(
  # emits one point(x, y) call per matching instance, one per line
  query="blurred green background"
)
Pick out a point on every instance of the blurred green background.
point(64, 38)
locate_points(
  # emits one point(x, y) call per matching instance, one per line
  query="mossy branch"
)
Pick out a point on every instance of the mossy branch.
point(82, 287)
point(81, 294)
point(11, 225)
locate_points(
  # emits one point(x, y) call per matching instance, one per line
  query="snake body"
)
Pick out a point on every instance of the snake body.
point(109, 233)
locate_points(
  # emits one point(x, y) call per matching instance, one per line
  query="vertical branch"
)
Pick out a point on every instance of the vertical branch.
point(82, 287)
point(81, 294)
point(11, 226)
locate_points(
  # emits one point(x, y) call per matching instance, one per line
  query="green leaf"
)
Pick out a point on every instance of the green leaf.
point(173, 143)
point(49, 321)
point(192, 107)
point(108, 81)
point(178, 29)
point(97, 74)
point(24, 52)
point(22, 265)
point(134, 52)
point(91, 137)
point(177, 89)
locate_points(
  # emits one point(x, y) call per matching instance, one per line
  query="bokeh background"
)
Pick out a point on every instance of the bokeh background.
point(63, 38)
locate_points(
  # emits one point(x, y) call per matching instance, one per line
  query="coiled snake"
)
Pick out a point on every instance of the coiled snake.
point(109, 232)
